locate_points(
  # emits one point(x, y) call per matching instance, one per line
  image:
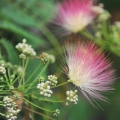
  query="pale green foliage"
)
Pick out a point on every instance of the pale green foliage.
point(10, 49)
point(18, 15)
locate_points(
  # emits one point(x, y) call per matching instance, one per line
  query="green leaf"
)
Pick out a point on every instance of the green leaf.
point(32, 39)
point(10, 49)
point(19, 17)
point(28, 12)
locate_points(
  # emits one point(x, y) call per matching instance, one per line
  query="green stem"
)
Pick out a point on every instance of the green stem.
point(0, 53)
point(23, 62)
point(39, 113)
point(50, 37)
point(105, 31)
point(36, 79)
point(15, 80)
point(2, 114)
point(33, 73)
point(37, 106)
point(61, 84)
point(47, 100)
point(9, 73)
point(30, 88)
point(4, 92)
point(1, 104)
point(2, 86)
point(32, 93)
point(21, 79)
point(88, 35)
point(7, 81)
point(23, 86)
point(2, 96)
point(26, 64)
point(91, 37)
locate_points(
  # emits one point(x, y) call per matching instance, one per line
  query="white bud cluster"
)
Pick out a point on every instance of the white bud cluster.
point(8, 65)
point(47, 57)
point(45, 89)
point(115, 28)
point(22, 56)
point(56, 112)
point(98, 9)
point(1, 79)
point(52, 79)
point(98, 35)
point(12, 114)
point(117, 24)
point(11, 87)
point(101, 12)
point(11, 107)
point(41, 79)
point(18, 70)
point(25, 48)
point(2, 68)
point(105, 15)
point(72, 97)
point(52, 58)
point(16, 96)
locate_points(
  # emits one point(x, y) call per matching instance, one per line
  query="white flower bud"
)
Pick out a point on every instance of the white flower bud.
point(56, 112)
point(71, 96)
point(45, 89)
point(25, 48)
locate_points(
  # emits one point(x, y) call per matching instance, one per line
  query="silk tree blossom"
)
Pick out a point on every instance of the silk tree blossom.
point(74, 15)
point(89, 70)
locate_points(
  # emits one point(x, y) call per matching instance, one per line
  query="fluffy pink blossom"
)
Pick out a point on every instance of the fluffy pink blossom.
point(89, 70)
point(74, 15)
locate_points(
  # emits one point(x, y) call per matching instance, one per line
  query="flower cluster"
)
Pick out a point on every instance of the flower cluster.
point(117, 25)
point(71, 96)
point(25, 49)
point(41, 79)
point(11, 107)
point(44, 88)
point(16, 96)
point(2, 69)
point(18, 69)
point(45, 57)
point(102, 13)
point(83, 62)
point(52, 79)
point(103, 16)
point(88, 69)
point(74, 15)
point(56, 112)
point(22, 56)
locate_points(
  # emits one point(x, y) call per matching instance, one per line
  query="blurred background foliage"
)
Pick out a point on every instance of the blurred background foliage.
point(29, 19)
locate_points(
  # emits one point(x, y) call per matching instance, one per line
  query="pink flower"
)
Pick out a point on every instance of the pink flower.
point(74, 15)
point(89, 70)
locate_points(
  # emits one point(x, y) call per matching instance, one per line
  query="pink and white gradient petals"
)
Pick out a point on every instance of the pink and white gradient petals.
point(89, 70)
point(74, 15)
